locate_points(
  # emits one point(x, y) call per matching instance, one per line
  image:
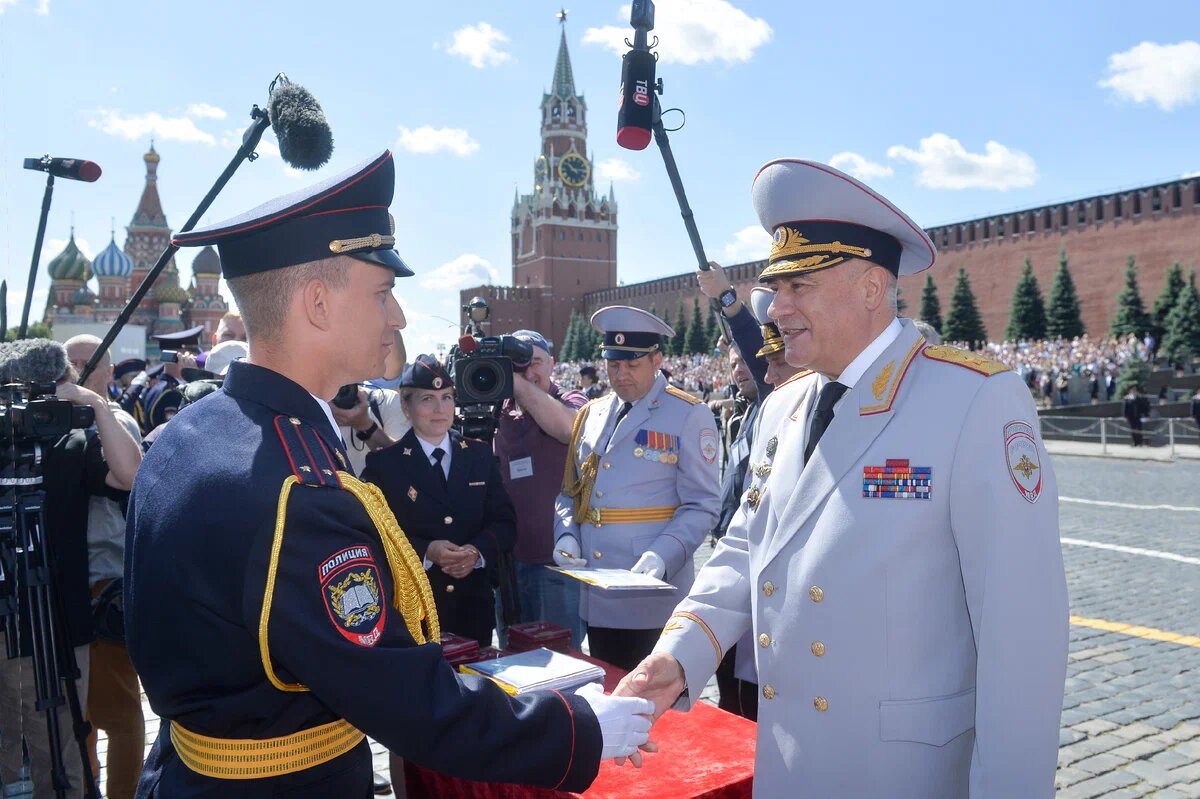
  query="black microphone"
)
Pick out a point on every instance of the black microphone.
point(32, 360)
point(69, 168)
point(635, 114)
point(305, 140)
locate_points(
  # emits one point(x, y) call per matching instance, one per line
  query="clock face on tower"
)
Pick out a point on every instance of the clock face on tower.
point(573, 169)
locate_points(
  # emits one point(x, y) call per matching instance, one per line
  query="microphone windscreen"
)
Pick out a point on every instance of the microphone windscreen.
point(32, 360)
point(89, 171)
point(305, 140)
point(635, 115)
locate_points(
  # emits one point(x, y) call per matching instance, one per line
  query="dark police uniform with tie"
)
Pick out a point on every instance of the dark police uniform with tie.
point(467, 507)
point(275, 611)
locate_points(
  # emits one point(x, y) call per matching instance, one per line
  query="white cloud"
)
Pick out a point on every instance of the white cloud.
point(428, 140)
point(858, 166)
point(205, 111)
point(749, 244)
point(465, 270)
point(477, 45)
point(6, 3)
point(43, 7)
point(617, 170)
point(1195, 174)
point(1167, 75)
point(692, 32)
point(153, 124)
point(946, 164)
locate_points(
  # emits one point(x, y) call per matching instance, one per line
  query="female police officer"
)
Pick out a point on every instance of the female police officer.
point(447, 494)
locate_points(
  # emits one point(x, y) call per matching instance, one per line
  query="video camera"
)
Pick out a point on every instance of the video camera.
point(29, 413)
point(482, 368)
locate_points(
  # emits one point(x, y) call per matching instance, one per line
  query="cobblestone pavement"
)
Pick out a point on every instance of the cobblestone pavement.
point(1131, 716)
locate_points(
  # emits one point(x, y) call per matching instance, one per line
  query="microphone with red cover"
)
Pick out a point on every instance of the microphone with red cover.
point(69, 168)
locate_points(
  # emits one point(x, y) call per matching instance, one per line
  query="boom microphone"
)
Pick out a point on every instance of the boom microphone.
point(635, 114)
point(305, 140)
point(69, 168)
point(32, 360)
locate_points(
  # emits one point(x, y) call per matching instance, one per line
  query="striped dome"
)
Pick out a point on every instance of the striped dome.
point(207, 262)
point(112, 262)
point(70, 264)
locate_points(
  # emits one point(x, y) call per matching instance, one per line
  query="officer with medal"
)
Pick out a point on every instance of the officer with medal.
point(641, 487)
point(275, 611)
point(448, 496)
point(897, 555)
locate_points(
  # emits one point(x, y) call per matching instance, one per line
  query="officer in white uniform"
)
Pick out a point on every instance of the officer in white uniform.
point(641, 487)
point(898, 555)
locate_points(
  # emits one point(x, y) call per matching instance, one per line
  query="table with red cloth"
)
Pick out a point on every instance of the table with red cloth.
point(705, 753)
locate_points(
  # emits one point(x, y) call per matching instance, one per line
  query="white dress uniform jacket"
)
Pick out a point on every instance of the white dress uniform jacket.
point(906, 588)
point(661, 457)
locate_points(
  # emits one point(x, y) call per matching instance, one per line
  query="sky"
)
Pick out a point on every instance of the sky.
point(951, 110)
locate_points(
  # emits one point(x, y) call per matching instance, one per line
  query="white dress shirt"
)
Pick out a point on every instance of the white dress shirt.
point(429, 448)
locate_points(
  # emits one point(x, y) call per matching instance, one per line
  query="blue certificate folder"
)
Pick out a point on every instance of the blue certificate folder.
point(536, 670)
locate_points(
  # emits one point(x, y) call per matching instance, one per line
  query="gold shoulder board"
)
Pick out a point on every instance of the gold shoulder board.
point(683, 395)
point(797, 376)
point(985, 366)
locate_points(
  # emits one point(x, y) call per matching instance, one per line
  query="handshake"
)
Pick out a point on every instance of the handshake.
point(567, 554)
point(641, 697)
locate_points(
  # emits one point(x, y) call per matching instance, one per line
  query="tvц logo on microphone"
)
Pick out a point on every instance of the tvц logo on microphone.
point(641, 92)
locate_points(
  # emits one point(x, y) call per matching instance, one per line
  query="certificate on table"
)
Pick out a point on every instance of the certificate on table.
point(615, 579)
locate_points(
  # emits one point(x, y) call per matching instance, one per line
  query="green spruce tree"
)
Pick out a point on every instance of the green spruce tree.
point(1131, 316)
point(697, 340)
point(664, 342)
point(1027, 314)
point(963, 322)
point(679, 340)
point(1134, 372)
point(1063, 319)
point(931, 307)
point(1166, 301)
point(568, 350)
point(1181, 343)
point(712, 332)
point(901, 305)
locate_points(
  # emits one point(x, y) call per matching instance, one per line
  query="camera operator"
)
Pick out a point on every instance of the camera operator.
point(114, 701)
point(74, 470)
point(531, 443)
point(374, 420)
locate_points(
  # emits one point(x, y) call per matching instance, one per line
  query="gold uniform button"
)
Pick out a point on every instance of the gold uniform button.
point(768, 691)
point(768, 588)
point(764, 640)
point(608, 466)
point(816, 594)
point(818, 648)
point(449, 589)
point(599, 493)
point(821, 704)
point(596, 554)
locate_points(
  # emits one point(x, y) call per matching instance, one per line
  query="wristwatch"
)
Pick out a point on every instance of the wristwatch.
point(363, 435)
point(727, 297)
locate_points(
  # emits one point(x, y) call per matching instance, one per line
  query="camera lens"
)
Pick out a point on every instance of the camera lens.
point(484, 379)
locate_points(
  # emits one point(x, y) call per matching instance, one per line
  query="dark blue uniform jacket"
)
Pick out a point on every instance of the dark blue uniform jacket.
point(201, 523)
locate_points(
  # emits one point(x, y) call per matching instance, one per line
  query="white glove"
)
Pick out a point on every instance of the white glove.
point(650, 563)
point(624, 720)
point(566, 552)
point(141, 379)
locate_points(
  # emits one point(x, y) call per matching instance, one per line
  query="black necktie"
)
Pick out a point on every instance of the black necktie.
point(439, 453)
point(624, 410)
point(830, 394)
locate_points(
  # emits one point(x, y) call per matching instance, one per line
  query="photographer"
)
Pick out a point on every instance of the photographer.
point(161, 400)
point(374, 420)
point(74, 469)
point(531, 443)
point(114, 701)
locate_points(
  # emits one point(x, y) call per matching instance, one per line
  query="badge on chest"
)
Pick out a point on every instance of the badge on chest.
point(896, 479)
point(656, 447)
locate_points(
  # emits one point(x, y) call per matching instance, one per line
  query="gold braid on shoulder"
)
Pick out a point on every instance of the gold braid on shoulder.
point(578, 480)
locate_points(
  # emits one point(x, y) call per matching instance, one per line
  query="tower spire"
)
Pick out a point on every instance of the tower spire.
point(564, 78)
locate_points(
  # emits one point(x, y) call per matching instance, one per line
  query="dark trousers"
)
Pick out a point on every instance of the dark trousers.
point(622, 648)
point(739, 697)
point(1135, 429)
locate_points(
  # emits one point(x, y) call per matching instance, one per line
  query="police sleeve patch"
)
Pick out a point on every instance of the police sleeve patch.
point(708, 445)
point(1024, 462)
point(351, 588)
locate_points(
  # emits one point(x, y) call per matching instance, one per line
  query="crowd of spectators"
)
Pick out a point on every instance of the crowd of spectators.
point(705, 376)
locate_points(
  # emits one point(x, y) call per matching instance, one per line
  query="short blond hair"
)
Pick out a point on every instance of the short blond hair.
point(263, 297)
